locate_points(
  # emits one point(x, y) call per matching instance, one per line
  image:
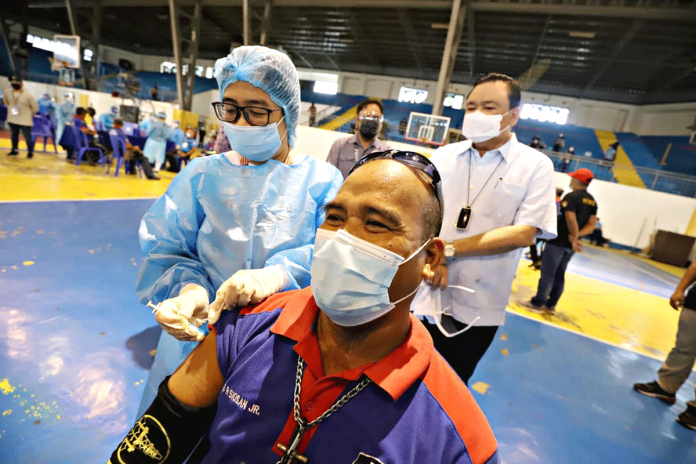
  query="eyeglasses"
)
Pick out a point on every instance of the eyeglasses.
point(254, 115)
point(411, 159)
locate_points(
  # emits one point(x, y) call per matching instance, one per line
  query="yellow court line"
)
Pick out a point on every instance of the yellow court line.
point(622, 317)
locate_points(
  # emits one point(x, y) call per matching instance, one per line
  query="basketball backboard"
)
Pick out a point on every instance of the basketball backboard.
point(67, 52)
point(427, 128)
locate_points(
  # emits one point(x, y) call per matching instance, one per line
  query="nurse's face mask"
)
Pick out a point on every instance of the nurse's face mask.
point(259, 141)
point(351, 277)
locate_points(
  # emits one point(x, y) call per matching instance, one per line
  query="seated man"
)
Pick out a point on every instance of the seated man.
point(187, 150)
point(79, 122)
point(133, 152)
point(339, 372)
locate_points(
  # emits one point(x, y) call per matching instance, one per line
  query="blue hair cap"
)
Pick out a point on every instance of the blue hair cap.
point(269, 70)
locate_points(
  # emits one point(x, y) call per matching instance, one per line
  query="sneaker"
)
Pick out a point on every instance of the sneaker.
point(688, 418)
point(654, 390)
point(531, 306)
point(154, 177)
point(551, 309)
point(13, 153)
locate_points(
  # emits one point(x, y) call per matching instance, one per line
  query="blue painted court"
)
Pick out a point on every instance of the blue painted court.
point(75, 351)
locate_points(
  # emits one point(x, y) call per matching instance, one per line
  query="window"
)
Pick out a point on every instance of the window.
point(454, 101)
point(329, 88)
point(409, 95)
point(167, 67)
point(544, 113)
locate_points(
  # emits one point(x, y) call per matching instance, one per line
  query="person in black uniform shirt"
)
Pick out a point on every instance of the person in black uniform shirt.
point(576, 219)
point(677, 367)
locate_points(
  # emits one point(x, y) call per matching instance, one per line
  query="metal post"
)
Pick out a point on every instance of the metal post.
point(6, 37)
point(246, 19)
point(663, 161)
point(176, 42)
point(72, 16)
point(266, 26)
point(193, 55)
point(454, 35)
point(96, 35)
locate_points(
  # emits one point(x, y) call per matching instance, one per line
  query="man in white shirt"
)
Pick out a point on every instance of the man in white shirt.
point(499, 198)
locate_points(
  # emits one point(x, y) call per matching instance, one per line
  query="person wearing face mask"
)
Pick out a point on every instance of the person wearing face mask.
point(236, 227)
point(499, 198)
point(155, 148)
point(345, 152)
point(21, 107)
point(177, 136)
point(47, 107)
point(340, 371)
point(107, 119)
point(66, 111)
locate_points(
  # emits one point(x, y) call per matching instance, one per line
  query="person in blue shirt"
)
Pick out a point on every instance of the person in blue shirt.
point(133, 152)
point(46, 106)
point(238, 226)
point(107, 119)
point(184, 152)
point(177, 136)
point(340, 372)
point(156, 144)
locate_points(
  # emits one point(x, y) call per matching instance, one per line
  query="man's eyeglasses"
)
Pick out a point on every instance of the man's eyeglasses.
point(254, 115)
point(411, 159)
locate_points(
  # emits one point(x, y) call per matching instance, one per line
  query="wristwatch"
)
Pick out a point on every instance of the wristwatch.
point(449, 250)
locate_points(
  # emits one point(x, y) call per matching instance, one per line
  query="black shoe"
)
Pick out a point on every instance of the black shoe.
point(13, 153)
point(154, 177)
point(688, 417)
point(30, 155)
point(654, 390)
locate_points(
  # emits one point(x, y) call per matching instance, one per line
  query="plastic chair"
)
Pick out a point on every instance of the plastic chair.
point(82, 146)
point(42, 128)
point(119, 155)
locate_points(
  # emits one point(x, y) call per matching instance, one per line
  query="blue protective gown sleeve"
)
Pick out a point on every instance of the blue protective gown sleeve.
point(168, 235)
point(298, 261)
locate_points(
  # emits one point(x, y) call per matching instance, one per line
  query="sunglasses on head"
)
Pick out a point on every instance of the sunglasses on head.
point(411, 159)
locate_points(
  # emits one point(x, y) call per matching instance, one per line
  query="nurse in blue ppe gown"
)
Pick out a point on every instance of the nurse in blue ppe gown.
point(46, 106)
point(64, 115)
point(107, 119)
point(156, 144)
point(177, 136)
point(236, 227)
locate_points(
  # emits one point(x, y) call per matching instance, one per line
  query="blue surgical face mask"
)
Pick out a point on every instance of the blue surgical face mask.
point(351, 277)
point(255, 143)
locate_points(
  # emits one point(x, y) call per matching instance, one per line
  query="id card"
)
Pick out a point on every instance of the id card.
point(464, 218)
point(14, 110)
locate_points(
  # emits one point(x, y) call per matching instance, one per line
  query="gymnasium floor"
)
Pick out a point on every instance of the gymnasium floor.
point(75, 343)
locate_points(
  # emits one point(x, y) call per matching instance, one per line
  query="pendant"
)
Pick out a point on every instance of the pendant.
point(464, 218)
point(290, 454)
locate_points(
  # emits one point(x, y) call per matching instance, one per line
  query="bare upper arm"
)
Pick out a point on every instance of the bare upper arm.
point(198, 381)
point(571, 216)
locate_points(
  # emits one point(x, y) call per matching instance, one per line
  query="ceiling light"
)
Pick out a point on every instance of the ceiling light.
point(439, 26)
point(582, 34)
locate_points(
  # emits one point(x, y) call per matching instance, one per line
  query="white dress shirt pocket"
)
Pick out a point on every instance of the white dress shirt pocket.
point(504, 202)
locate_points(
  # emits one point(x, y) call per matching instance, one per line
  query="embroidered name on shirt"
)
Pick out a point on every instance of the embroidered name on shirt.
point(240, 401)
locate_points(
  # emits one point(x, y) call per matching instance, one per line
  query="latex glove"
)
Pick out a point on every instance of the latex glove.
point(176, 314)
point(245, 287)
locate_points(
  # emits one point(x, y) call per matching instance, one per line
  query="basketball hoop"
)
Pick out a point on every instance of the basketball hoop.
point(427, 129)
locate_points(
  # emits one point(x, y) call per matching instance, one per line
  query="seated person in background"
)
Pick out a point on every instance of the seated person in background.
point(537, 143)
point(188, 150)
point(89, 117)
point(610, 153)
point(596, 237)
point(133, 152)
point(559, 143)
point(107, 119)
point(351, 331)
point(79, 122)
point(402, 126)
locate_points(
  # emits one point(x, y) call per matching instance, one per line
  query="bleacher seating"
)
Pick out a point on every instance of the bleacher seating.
point(681, 158)
point(582, 138)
